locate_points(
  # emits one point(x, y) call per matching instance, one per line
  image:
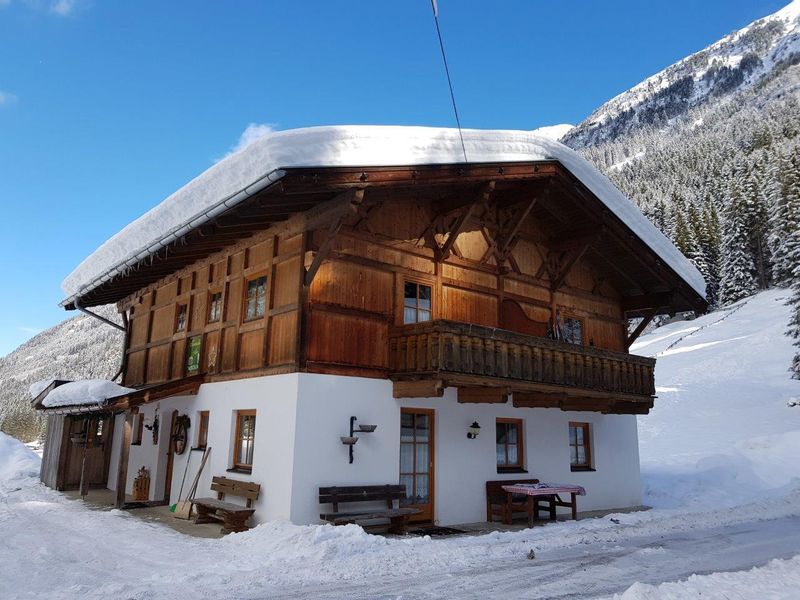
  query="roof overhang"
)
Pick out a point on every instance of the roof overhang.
point(649, 283)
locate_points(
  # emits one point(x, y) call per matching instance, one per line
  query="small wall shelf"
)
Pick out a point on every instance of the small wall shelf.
point(352, 438)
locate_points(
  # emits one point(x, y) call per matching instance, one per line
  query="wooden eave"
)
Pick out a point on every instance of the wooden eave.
point(645, 282)
point(187, 386)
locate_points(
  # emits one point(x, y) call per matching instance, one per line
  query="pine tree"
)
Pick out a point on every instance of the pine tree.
point(756, 218)
point(794, 320)
point(737, 268)
point(784, 219)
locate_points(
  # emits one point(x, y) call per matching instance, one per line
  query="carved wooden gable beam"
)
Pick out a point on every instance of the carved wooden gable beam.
point(350, 201)
point(450, 224)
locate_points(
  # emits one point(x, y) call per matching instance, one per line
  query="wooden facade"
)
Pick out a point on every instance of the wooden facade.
point(507, 251)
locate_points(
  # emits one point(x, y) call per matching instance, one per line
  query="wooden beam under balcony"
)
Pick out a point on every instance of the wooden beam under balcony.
point(482, 395)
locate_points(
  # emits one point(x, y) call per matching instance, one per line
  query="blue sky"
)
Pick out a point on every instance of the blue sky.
point(106, 107)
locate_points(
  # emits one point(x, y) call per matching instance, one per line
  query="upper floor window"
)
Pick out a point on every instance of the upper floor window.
point(572, 331)
point(193, 353)
point(416, 303)
point(509, 444)
point(256, 298)
point(181, 317)
point(580, 454)
point(214, 307)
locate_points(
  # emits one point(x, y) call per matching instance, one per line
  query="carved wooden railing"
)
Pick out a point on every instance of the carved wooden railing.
point(440, 347)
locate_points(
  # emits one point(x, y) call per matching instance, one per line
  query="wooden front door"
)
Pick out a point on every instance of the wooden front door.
point(416, 460)
point(88, 450)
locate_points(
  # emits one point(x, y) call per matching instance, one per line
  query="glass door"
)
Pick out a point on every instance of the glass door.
point(416, 460)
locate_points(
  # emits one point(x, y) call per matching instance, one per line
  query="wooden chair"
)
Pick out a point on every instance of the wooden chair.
point(398, 517)
point(501, 503)
point(233, 516)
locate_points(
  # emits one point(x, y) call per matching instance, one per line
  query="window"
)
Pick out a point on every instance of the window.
point(256, 298)
point(180, 317)
point(580, 456)
point(214, 307)
point(509, 444)
point(572, 331)
point(245, 437)
point(416, 303)
point(137, 428)
point(193, 353)
point(202, 429)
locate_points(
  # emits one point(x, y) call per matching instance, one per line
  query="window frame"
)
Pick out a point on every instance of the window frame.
point(519, 466)
point(182, 308)
point(211, 294)
point(587, 446)
point(419, 283)
point(238, 465)
point(245, 297)
point(137, 429)
point(580, 320)
point(203, 417)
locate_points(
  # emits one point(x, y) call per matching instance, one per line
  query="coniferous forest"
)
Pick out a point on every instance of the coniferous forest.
point(722, 181)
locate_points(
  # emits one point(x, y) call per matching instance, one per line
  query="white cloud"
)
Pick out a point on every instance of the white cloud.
point(250, 134)
point(31, 330)
point(63, 7)
point(6, 98)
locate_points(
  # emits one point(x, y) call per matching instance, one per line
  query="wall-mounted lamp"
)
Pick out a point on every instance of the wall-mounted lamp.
point(352, 439)
point(473, 430)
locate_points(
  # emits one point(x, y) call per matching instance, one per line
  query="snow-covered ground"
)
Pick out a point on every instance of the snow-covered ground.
point(718, 457)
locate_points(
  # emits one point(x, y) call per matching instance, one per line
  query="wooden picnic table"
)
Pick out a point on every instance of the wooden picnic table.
point(551, 491)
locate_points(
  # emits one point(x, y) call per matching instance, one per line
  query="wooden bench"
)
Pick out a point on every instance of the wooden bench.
point(233, 516)
point(501, 503)
point(398, 517)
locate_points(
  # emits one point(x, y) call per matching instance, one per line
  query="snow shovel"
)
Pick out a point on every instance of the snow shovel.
point(183, 509)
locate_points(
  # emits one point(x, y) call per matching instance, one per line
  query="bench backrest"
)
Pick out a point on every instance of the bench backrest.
point(361, 493)
point(495, 491)
point(234, 487)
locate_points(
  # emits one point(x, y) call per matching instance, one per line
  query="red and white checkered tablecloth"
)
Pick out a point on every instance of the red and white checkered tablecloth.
point(544, 489)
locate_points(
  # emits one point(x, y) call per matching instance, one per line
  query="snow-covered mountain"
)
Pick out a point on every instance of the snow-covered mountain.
point(736, 62)
point(79, 348)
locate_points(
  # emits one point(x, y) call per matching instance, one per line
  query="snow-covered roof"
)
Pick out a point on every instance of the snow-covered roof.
point(86, 392)
point(224, 184)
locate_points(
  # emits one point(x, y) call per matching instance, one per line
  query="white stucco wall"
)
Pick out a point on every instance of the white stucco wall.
point(462, 465)
point(300, 418)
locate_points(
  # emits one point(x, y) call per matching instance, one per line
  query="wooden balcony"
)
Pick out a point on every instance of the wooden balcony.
point(487, 364)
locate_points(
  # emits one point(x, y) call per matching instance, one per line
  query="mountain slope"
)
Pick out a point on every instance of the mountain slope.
point(79, 348)
point(733, 64)
point(722, 430)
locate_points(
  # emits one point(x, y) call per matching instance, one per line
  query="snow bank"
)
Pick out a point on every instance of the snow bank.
point(352, 146)
point(778, 580)
point(83, 393)
point(16, 460)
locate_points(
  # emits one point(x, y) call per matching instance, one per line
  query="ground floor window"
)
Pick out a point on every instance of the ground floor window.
point(580, 454)
point(509, 444)
point(245, 439)
point(202, 429)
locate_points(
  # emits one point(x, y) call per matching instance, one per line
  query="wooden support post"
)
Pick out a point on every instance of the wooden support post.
point(124, 453)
